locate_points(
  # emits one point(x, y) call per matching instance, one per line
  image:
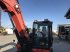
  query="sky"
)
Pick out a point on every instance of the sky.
point(54, 10)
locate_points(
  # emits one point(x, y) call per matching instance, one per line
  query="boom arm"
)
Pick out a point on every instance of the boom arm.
point(13, 8)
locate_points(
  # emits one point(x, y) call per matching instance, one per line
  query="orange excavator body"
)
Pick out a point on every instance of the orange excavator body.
point(13, 8)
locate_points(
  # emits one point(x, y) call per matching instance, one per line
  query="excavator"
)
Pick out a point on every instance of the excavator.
point(40, 40)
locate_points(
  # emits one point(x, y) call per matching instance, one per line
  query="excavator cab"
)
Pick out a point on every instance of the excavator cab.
point(42, 35)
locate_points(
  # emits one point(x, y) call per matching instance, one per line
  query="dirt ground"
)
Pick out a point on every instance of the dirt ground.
point(7, 44)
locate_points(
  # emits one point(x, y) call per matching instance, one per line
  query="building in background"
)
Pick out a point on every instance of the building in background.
point(9, 31)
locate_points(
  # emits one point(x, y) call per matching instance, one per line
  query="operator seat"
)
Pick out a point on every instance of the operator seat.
point(44, 30)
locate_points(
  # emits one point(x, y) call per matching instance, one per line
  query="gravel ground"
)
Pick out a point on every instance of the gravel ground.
point(60, 45)
point(7, 44)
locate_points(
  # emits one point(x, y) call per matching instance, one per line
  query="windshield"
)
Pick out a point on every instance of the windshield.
point(41, 35)
point(41, 30)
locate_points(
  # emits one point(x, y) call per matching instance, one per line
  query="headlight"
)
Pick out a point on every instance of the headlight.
point(16, 6)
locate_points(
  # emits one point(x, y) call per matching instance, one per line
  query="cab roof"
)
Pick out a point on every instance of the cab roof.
point(44, 21)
